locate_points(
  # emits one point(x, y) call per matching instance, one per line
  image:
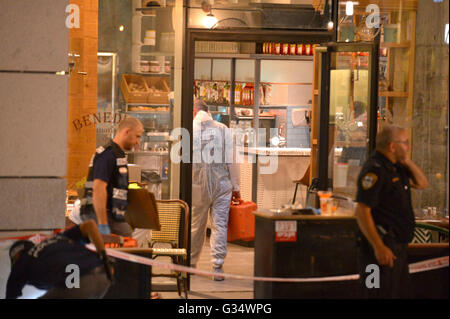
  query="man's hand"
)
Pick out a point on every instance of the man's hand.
point(109, 269)
point(235, 195)
point(418, 180)
point(385, 256)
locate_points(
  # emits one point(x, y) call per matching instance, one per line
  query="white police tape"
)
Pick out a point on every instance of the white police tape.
point(426, 265)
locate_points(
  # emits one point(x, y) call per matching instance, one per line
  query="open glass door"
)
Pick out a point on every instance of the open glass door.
point(347, 115)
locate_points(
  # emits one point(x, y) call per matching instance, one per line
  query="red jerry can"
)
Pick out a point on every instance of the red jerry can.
point(241, 222)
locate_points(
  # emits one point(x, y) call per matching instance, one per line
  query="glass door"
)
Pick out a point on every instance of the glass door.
point(347, 117)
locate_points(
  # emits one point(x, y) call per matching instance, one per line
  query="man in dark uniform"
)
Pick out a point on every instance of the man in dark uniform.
point(385, 215)
point(45, 266)
point(106, 188)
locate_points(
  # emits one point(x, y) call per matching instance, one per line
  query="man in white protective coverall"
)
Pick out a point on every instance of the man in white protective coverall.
point(215, 180)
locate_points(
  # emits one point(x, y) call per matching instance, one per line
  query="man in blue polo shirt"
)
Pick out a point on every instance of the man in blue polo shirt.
point(106, 188)
point(45, 266)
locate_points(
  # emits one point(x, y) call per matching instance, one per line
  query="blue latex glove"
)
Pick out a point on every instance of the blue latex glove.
point(104, 229)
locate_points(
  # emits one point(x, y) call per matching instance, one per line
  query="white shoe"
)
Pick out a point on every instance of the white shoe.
point(218, 270)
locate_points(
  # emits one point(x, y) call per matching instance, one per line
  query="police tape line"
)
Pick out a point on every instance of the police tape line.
point(426, 265)
point(36, 238)
point(421, 266)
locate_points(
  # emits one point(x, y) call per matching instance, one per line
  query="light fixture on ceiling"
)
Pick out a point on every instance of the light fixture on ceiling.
point(330, 25)
point(349, 8)
point(209, 20)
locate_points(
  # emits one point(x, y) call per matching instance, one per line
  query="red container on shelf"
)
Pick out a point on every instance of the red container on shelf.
point(293, 49)
point(277, 48)
point(241, 222)
point(300, 49)
point(286, 49)
point(308, 49)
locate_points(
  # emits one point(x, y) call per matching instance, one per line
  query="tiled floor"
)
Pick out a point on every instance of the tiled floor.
point(239, 261)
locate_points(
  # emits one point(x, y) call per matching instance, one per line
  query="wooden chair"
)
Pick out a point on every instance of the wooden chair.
point(174, 220)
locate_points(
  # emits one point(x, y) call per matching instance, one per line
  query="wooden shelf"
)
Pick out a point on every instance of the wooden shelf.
point(286, 83)
point(393, 94)
point(395, 45)
point(151, 74)
point(254, 56)
point(156, 54)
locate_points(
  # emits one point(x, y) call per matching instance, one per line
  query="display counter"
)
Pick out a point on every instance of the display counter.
point(305, 246)
point(267, 175)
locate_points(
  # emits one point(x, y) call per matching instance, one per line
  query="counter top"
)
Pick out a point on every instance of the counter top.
point(279, 151)
point(440, 222)
point(266, 213)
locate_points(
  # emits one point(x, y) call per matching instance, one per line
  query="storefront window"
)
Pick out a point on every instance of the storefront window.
point(141, 35)
point(274, 14)
point(413, 78)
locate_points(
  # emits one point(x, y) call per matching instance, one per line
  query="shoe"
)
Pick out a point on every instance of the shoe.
point(218, 270)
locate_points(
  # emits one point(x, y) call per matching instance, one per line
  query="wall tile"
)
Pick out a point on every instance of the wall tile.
point(32, 203)
point(33, 124)
point(33, 35)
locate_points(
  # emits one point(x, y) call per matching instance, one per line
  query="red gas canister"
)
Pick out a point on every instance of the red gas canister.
point(241, 223)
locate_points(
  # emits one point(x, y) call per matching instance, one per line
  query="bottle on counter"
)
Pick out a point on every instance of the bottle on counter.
point(226, 92)
point(238, 94)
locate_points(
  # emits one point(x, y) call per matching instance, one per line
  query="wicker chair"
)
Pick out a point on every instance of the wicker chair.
point(174, 220)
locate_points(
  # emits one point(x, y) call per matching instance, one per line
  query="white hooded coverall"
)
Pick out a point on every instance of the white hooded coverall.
point(214, 177)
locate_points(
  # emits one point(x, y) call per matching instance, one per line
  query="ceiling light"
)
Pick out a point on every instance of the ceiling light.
point(349, 8)
point(209, 20)
point(330, 25)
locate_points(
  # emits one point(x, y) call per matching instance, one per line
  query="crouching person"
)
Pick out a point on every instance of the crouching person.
point(62, 265)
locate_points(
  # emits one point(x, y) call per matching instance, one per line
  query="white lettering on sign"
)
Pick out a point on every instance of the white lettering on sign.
point(285, 231)
point(73, 19)
point(373, 19)
point(73, 279)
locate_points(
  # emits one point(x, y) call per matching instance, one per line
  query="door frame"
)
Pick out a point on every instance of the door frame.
point(325, 51)
point(193, 35)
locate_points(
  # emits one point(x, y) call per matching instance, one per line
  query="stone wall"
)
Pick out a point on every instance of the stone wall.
point(430, 117)
point(34, 43)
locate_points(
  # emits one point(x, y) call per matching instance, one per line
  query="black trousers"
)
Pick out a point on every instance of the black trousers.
point(394, 283)
point(93, 285)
